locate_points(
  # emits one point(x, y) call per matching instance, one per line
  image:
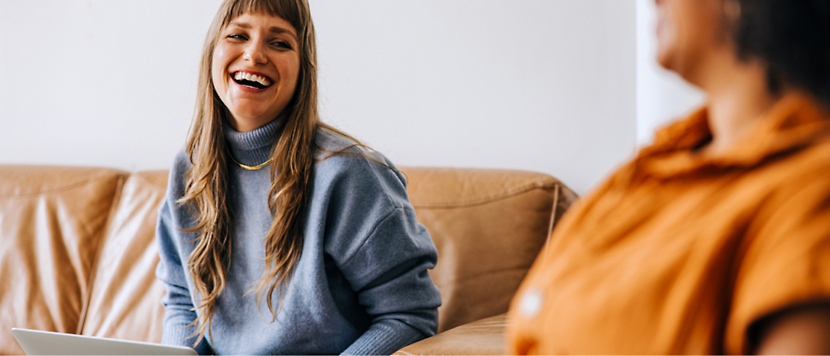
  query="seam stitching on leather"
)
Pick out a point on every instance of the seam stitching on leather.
point(66, 187)
point(548, 184)
point(553, 220)
point(481, 274)
point(149, 181)
point(116, 200)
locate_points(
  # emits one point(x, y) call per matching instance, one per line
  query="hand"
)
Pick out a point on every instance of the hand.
point(803, 330)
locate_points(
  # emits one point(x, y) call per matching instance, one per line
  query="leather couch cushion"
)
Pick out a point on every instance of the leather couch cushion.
point(483, 337)
point(488, 227)
point(78, 250)
point(52, 220)
point(125, 301)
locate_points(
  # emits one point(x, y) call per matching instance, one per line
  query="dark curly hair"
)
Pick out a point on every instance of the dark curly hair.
point(792, 38)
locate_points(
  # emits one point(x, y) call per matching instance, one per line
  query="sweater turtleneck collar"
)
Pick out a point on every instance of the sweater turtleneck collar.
point(253, 147)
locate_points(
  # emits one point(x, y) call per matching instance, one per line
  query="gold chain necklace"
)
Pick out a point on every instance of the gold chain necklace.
point(251, 168)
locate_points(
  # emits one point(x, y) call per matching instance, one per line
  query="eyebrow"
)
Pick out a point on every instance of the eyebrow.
point(273, 29)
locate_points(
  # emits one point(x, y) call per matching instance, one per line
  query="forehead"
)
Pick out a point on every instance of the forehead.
point(259, 20)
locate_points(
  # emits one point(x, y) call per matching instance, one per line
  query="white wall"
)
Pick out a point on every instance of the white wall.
point(543, 85)
point(101, 83)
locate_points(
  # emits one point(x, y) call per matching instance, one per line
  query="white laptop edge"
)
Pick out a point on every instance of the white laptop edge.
point(36, 342)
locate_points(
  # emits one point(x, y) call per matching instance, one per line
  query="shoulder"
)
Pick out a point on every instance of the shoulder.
point(362, 194)
point(329, 143)
point(173, 216)
point(171, 210)
point(792, 194)
point(803, 170)
point(343, 166)
point(178, 174)
point(814, 158)
point(783, 260)
point(328, 140)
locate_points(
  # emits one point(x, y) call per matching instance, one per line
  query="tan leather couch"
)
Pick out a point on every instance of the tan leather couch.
point(77, 250)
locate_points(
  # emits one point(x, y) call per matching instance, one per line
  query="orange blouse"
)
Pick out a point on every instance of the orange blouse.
point(679, 254)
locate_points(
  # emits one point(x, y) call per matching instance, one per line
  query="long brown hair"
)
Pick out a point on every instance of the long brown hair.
point(291, 171)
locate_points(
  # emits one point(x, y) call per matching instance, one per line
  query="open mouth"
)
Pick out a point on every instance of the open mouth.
point(251, 80)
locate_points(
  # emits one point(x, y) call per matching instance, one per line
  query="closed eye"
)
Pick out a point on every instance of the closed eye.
point(282, 44)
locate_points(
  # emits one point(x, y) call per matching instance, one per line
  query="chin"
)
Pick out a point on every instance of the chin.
point(669, 57)
point(249, 115)
point(664, 60)
point(666, 47)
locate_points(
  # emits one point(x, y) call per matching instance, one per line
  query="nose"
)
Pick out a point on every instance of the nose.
point(254, 52)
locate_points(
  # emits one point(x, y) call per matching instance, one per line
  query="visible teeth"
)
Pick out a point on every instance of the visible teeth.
point(252, 77)
point(262, 80)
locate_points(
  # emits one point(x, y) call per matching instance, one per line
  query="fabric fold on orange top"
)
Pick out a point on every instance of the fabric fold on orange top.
point(680, 253)
point(792, 123)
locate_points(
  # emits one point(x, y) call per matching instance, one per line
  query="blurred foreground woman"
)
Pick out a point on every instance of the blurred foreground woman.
point(716, 238)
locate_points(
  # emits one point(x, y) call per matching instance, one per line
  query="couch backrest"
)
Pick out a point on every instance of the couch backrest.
point(78, 255)
point(52, 220)
point(125, 296)
point(488, 227)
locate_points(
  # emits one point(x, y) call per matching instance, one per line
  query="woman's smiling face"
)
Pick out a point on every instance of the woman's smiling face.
point(255, 68)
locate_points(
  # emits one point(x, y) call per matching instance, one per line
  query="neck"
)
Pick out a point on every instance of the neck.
point(737, 98)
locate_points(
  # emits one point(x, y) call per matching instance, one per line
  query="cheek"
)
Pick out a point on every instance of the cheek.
point(289, 71)
point(666, 34)
point(218, 72)
point(665, 27)
point(697, 22)
point(673, 35)
point(295, 74)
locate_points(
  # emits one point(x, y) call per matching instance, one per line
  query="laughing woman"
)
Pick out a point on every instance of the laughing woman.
point(278, 233)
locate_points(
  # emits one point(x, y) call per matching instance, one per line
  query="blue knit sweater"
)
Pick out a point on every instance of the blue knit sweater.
point(361, 284)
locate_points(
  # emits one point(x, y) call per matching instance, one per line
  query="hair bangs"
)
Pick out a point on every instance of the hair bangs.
point(288, 10)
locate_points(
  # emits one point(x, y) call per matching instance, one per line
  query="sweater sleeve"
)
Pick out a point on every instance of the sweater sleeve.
point(178, 305)
point(389, 272)
point(383, 252)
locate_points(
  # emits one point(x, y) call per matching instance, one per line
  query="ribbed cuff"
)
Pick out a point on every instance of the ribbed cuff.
point(178, 336)
point(384, 338)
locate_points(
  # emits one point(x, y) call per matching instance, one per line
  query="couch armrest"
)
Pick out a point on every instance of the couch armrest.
point(482, 337)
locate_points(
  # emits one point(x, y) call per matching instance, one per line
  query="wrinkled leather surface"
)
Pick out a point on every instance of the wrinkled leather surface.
point(52, 220)
point(488, 227)
point(125, 297)
point(483, 337)
point(78, 253)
